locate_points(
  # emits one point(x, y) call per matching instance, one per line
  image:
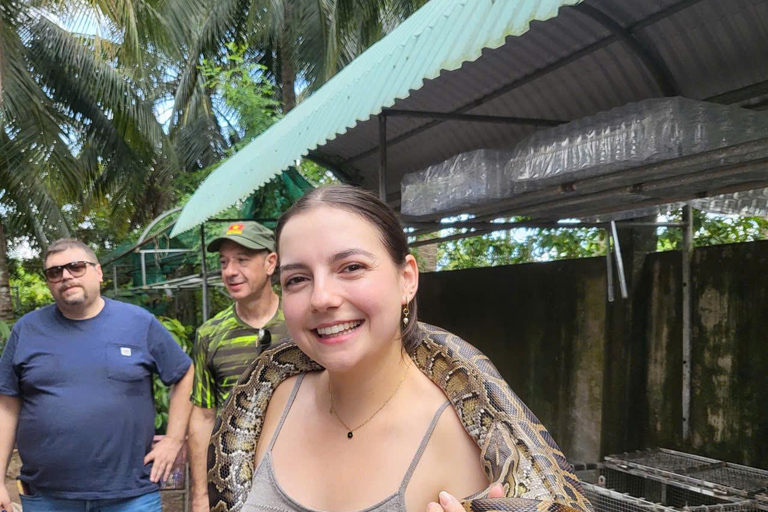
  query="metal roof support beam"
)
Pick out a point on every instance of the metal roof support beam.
point(452, 116)
point(344, 173)
point(655, 65)
point(383, 157)
point(598, 45)
point(425, 228)
point(492, 227)
point(739, 95)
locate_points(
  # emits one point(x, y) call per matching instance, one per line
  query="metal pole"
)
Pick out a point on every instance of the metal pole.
point(383, 157)
point(619, 262)
point(143, 271)
point(204, 271)
point(609, 265)
point(687, 253)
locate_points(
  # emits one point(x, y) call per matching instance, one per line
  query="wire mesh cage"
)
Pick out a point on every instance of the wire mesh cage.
point(607, 500)
point(740, 506)
point(719, 480)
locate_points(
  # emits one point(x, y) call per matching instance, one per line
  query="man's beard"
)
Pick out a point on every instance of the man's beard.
point(74, 301)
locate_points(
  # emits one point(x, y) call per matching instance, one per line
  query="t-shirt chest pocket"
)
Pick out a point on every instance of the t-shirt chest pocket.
point(126, 362)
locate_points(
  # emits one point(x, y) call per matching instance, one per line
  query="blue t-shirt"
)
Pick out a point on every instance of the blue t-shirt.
point(87, 409)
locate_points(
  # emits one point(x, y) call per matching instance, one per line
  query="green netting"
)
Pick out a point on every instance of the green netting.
point(265, 205)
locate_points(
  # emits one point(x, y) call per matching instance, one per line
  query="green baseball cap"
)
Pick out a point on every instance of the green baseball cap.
point(247, 233)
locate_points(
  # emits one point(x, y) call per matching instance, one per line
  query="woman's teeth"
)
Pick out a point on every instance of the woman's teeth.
point(338, 328)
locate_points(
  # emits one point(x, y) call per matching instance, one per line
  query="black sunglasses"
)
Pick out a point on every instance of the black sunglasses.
point(75, 269)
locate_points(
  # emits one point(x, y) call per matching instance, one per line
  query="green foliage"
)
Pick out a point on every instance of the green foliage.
point(528, 245)
point(709, 229)
point(180, 332)
point(183, 334)
point(318, 176)
point(32, 289)
point(5, 333)
point(520, 246)
point(245, 91)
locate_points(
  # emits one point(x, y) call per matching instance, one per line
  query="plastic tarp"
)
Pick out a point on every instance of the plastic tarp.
point(631, 136)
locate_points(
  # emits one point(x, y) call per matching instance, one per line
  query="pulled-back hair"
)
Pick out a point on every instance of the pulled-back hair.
point(366, 205)
point(62, 244)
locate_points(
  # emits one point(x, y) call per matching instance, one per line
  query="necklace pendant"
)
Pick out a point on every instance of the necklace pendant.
point(349, 434)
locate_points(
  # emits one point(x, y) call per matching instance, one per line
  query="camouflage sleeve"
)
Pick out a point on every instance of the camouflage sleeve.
point(204, 385)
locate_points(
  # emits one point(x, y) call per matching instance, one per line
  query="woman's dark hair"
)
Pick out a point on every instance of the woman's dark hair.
point(365, 204)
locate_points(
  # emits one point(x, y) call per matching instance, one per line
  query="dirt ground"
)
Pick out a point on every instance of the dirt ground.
point(173, 501)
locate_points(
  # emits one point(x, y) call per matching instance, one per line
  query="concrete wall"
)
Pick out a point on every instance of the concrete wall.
point(603, 382)
point(543, 327)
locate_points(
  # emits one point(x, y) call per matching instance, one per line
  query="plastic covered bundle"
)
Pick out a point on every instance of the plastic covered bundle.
point(749, 203)
point(633, 135)
point(462, 180)
point(630, 136)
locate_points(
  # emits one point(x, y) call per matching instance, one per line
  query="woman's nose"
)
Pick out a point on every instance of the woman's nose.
point(324, 295)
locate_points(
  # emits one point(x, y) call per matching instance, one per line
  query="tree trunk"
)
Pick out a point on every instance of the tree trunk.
point(285, 61)
point(6, 302)
point(2, 62)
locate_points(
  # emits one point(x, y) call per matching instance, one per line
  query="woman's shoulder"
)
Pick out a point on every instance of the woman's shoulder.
point(277, 404)
point(451, 462)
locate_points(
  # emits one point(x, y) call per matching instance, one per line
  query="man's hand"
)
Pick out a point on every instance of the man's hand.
point(164, 455)
point(5, 500)
point(450, 504)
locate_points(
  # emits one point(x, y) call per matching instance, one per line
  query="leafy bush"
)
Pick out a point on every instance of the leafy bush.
point(32, 290)
point(183, 334)
point(5, 333)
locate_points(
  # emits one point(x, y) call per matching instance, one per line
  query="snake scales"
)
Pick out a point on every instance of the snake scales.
point(517, 450)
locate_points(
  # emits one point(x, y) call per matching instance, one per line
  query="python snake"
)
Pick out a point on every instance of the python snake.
point(517, 450)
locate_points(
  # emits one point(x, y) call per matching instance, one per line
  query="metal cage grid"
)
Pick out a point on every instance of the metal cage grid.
point(741, 506)
point(606, 500)
point(711, 477)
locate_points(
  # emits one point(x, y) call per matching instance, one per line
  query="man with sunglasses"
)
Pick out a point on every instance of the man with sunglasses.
point(76, 395)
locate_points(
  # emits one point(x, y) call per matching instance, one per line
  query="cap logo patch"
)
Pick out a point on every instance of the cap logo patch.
point(235, 229)
point(125, 351)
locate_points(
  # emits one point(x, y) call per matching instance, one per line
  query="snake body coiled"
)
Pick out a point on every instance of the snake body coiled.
point(516, 449)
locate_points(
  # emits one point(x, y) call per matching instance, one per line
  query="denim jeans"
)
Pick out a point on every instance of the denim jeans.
point(40, 503)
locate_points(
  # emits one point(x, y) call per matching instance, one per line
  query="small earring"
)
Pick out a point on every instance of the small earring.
point(406, 313)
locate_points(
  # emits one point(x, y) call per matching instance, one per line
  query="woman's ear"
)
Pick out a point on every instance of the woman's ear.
point(410, 275)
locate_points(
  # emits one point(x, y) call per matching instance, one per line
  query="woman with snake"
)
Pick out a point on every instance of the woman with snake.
point(367, 409)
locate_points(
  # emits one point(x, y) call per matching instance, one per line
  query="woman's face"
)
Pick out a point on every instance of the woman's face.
point(342, 293)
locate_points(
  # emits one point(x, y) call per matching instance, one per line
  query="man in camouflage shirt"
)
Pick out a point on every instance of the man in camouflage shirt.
point(229, 342)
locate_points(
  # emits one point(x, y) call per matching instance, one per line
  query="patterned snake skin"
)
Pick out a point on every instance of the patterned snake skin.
point(517, 450)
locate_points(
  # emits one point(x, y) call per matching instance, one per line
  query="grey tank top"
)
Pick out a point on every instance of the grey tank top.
point(266, 493)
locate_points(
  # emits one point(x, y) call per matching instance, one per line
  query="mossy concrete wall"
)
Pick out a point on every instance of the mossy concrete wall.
point(543, 326)
point(603, 382)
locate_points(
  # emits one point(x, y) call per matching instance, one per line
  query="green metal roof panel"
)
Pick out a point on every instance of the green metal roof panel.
point(442, 35)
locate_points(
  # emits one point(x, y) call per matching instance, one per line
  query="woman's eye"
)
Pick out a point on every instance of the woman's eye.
point(294, 280)
point(353, 267)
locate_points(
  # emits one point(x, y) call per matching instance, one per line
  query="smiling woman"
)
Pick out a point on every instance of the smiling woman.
point(367, 431)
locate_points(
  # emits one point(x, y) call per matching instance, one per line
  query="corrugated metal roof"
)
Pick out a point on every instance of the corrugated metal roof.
point(561, 64)
point(441, 36)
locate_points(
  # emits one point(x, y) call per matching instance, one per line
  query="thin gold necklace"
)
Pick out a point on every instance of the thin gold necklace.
point(351, 431)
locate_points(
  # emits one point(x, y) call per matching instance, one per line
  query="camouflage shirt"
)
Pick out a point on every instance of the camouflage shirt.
point(224, 348)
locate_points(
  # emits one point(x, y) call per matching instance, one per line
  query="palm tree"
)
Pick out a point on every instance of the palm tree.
point(73, 128)
point(296, 40)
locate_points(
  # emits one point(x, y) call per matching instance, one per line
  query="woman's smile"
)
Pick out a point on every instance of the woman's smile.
point(333, 334)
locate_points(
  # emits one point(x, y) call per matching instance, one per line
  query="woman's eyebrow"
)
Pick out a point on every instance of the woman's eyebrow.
point(351, 252)
point(292, 266)
point(336, 257)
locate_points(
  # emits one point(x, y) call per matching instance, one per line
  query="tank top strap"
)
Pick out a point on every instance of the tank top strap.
point(422, 446)
point(288, 405)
